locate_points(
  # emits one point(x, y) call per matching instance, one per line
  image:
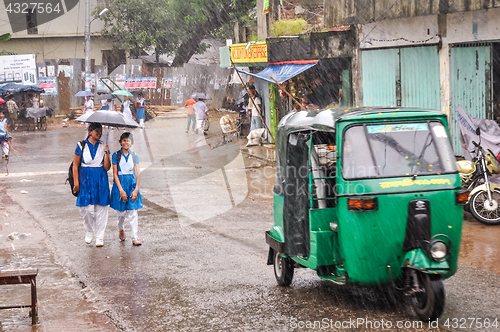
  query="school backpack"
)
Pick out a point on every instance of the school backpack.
point(70, 171)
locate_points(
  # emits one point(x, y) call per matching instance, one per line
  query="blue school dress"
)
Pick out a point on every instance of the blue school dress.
point(3, 129)
point(94, 186)
point(141, 114)
point(127, 180)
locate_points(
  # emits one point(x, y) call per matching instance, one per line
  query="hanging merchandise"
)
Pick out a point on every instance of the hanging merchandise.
point(266, 7)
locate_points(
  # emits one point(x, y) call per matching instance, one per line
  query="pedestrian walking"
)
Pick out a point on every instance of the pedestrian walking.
point(190, 113)
point(91, 181)
point(125, 194)
point(126, 107)
point(5, 138)
point(104, 104)
point(13, 109)
point(88, 106)
point(201, 116)
point(141, 113)
point(111, 104)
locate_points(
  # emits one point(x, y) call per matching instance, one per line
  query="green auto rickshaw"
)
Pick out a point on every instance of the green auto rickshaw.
point(369, 196)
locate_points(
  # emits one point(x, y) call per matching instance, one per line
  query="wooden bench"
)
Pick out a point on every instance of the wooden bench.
point(24, 276)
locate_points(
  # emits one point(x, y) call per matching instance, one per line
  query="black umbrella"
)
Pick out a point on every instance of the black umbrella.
point(108, 118)
point(105, 96)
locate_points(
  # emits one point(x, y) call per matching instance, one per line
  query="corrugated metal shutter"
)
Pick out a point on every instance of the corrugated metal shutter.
point(470, 85)
point(420, 77)
point(380, 71)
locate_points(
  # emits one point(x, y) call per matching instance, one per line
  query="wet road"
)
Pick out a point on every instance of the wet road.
point(203, 262)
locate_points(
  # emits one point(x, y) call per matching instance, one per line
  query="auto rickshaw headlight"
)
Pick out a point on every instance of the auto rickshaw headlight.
point(438, 250)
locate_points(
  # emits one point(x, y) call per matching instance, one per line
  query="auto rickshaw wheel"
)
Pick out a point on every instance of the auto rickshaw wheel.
point(484, 211)
point(283, 269)
point(428, 300)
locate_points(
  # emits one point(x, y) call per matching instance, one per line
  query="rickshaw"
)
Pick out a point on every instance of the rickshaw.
point(29, 116)
point(368, 196)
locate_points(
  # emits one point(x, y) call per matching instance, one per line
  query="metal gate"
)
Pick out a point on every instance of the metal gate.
point(420, 86)
point(471, 85)
point(379, 71)
point(407, 77)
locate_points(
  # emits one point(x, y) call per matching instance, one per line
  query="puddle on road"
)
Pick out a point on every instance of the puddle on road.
point(480, 246)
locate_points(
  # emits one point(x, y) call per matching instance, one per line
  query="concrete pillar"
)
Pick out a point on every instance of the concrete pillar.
point(261, 21)
point(444, 77)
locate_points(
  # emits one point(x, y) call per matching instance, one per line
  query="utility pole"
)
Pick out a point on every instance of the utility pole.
point(87, 41)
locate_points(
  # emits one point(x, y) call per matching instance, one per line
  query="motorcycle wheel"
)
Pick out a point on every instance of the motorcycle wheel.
point(486, 212)
point(428, 300)
point(283, 269)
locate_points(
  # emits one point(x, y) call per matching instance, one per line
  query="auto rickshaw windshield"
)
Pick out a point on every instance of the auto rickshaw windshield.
point(396, 150)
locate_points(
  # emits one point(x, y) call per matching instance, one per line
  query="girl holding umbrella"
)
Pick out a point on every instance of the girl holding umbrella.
point(91, 183)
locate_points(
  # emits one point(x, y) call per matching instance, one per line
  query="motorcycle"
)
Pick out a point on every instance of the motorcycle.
point(484, 197)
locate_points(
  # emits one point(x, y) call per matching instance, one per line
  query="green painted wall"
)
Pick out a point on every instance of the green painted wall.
point(470, 85)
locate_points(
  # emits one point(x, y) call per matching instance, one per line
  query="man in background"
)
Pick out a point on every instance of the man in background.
point(201, 116)
point(12, 108)
point(190, 113)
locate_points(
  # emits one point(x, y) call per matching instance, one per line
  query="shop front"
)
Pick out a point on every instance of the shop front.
point(305, 72)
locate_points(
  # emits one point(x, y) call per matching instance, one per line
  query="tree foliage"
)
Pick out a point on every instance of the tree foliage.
point(168, 26)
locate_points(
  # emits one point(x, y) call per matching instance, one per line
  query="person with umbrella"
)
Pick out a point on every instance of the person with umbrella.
point(125, 195)
point(91, 183)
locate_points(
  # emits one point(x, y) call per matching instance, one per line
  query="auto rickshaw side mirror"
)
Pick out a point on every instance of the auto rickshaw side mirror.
point(478, 131)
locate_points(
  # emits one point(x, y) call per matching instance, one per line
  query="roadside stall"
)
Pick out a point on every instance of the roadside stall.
point(30, 116)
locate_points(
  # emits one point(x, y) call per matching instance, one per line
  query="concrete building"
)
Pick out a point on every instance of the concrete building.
point(432, 54)
point(55, 35)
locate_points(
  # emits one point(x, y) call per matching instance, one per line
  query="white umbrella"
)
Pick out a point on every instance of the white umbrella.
point(84, 93)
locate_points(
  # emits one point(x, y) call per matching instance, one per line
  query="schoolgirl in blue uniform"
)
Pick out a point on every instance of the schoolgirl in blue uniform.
point(4, 136)
point(141, 113)
point(125, 194)
point(92, 183)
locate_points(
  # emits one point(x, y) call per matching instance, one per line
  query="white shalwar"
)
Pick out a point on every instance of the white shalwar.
point(5, 147)
point(95, 218)
point(133, 218)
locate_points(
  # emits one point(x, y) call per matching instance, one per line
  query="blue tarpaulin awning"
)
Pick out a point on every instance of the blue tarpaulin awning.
point(283, 71)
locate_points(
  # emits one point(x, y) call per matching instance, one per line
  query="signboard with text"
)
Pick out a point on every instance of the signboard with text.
point(20, 69)
point(49, 84)
point(257, 52)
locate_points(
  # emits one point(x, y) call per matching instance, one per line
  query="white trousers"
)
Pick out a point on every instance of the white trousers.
point(141, 123)
point(5, 147)
point(95, 218)
point(133, 218)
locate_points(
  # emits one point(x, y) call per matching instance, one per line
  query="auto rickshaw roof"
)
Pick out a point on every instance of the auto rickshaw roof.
point(325, 120)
